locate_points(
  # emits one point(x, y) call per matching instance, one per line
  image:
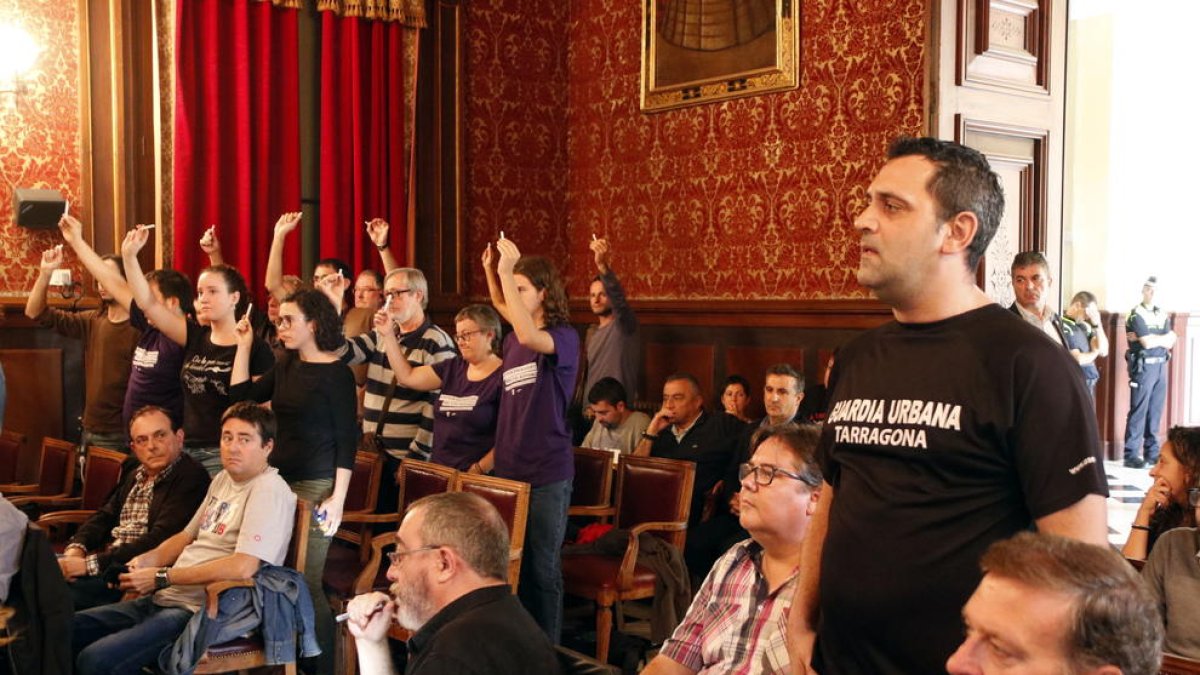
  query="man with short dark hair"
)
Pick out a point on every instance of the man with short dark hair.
point(1086, 339)
point(1151, 339)
point(245, 521)
point(614, 344)
point(952, 427)
point(615, 426)
point(1031, 282)
point(448, 575)
point(157, 495)
point(682, 429)
point(737, 622)
point(1049, 604)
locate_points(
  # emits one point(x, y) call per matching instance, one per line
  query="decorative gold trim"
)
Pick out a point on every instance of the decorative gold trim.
point(286, 4)
point(786, 74)
point(408, 12)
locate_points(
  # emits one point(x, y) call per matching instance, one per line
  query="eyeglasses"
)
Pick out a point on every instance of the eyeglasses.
point(763, 475)
point(466, 336)
point(395, 557)
point(1193, 497)
point(158, 436)
point(286, 321)
point(398, 292)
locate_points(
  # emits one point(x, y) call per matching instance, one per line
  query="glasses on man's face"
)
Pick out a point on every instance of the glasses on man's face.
point(158, 437)
point(466, 335)
point(396, 557)
point(764, 474)
point(1194, 497)
point(395, 293)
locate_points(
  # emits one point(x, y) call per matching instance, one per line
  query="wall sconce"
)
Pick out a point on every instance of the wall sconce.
point(18, 52)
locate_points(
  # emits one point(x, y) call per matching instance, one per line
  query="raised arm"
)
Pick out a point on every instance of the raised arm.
point(802, 621)
point(173, 325)
point(494, 290)
point(1099, 337)
point(377, 230)
point(244, 333)
point(286, 223)
point(527, 332)
point(52, 259)
point(626, 319)
point(211, 245)
point(110, 279)
point(421, 378)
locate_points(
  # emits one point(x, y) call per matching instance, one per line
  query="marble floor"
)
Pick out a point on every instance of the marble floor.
point(1126, 488)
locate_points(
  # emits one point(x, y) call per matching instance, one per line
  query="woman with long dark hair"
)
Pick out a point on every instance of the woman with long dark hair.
point(533, 442)
point(1165, 505)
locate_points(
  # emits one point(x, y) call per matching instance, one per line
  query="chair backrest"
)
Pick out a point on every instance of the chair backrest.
point(12, 445)
point(298, 547)
point(57, 473)
point(1178, 665)
point(101, 473)
point(418, 479)
point(593, 478)
point(652, 489)
point(511, 499)
point(362, 495)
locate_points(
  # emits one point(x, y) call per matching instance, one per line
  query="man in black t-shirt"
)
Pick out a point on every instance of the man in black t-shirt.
point(950, 428)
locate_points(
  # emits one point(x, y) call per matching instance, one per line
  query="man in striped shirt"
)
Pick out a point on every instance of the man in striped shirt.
point(737, 623)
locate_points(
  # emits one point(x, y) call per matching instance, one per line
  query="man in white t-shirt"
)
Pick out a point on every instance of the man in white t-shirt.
point(245, 521)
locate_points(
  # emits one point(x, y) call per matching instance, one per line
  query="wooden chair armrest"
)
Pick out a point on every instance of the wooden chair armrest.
point(629, 560)
point(213, 593)
point(19, 488)
point(370, 518)
point(62, 501)
point(592, 511)
point(64, 517)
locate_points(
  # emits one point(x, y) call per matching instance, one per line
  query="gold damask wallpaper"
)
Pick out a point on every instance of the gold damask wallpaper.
point(747, 199)
point(40, 135)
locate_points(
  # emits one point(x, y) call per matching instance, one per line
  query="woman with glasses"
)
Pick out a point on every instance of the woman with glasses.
point(1173, 572)
point(533, 440)
point(1166, 503)
point(312, 393)
point(464, 412)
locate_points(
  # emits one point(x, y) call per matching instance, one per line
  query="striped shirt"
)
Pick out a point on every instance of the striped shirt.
point(736, 624)
point(408, 422)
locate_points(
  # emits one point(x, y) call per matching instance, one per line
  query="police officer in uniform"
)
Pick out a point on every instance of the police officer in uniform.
point(1150, 342)
point(1085, 336)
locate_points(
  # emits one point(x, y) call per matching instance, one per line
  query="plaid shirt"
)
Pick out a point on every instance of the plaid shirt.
point(736, 624)
point(135, 513)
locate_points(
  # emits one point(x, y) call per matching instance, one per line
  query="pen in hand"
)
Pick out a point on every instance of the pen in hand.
point(341, 618)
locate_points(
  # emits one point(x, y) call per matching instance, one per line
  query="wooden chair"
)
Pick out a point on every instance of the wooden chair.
point(56, 474)
point(12, 445)
point(1178, 665)
point(372, 577)
point(653, 495)
point(591, 490)
point(351, 545)
point(511, 499)
point(247, 652)
point(100, 478)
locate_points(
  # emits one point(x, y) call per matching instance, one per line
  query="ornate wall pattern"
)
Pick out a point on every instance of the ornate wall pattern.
point(41, 135)
point(747, 199)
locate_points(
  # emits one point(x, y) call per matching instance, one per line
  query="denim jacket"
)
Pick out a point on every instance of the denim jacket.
point(279, 603)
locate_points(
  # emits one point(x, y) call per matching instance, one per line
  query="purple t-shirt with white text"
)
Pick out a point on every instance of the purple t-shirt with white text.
point(154, 378)
point(464, 415)
point(533, 443)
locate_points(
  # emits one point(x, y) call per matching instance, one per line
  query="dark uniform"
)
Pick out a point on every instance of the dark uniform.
point(1079, 336)
point(1147, 384)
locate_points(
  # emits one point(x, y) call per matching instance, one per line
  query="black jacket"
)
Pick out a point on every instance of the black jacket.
point(173, 504)
point(41, 622)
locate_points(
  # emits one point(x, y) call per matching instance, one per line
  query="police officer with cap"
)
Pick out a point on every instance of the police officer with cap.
point(1150, 342)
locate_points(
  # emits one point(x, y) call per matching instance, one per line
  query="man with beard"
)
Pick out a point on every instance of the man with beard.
point(613, 345)
point(616, 427)
point(448, 586)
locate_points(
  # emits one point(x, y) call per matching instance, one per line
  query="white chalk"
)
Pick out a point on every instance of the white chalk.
point(147, 227)
point(249, 308)
point(67, 207)
point(501, 234)
point(593, 236)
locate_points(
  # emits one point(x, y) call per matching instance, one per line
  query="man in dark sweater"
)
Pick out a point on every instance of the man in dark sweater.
point(448, 586)
point(156, 497)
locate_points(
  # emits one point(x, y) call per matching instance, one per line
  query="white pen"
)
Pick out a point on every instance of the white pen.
point(249, 308)
point(341, 618)
point(593, 236)
point(147, 227)
point(67, 207)
point(387, 303)
point(501, 234)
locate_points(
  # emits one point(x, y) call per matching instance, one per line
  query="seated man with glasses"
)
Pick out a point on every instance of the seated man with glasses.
point(737, 621)
point(448, 577)
point(1173, 575)
point(158, 493)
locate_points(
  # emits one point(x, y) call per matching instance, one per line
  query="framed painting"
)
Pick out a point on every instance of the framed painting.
point(699, 51)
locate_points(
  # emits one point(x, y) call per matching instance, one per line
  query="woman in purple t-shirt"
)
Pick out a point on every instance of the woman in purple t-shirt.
point(464, 413)
point(533, 442)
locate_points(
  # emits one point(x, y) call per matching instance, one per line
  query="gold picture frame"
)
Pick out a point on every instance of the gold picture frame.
point(697, 51)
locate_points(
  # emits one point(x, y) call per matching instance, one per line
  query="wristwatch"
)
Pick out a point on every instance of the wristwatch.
point(161, 578)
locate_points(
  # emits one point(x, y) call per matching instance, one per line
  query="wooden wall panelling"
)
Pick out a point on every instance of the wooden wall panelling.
point(1005, 44)
point(34, 378)
point(661, 359)
point(751, 362)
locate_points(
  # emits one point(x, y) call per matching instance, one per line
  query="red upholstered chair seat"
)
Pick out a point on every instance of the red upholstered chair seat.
point(238, 647)
point(597, 574)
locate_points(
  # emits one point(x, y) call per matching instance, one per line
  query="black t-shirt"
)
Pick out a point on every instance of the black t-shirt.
point(941, 439)
point(205, 375)
point(316, 407)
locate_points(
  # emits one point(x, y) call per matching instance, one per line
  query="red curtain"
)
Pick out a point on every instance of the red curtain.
point(364, 114)
point(237, 131)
